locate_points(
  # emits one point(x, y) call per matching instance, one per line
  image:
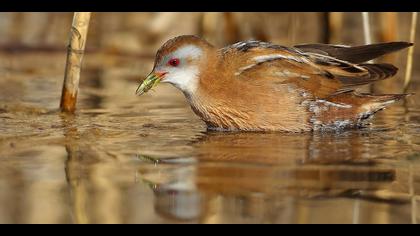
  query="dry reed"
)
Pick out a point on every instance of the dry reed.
point(368, 39)
point(75, 53)
point(409, 67)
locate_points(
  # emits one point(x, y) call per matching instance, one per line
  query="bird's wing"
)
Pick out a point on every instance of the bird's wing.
point(317, 73)
point(355, 54)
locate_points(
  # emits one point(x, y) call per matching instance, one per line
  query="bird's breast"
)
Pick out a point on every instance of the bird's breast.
point(257, 110)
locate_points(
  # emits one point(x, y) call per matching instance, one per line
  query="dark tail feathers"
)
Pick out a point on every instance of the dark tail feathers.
point(356, 54)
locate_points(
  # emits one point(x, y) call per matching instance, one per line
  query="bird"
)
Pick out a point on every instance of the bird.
point(261, 86)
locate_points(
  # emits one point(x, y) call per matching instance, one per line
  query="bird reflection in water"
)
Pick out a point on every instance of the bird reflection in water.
point(271, 177)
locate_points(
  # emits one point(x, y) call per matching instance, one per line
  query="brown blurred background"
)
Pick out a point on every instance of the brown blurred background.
point(141, 34)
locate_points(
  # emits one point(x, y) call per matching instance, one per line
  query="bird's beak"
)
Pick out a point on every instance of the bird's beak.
point(150, 82)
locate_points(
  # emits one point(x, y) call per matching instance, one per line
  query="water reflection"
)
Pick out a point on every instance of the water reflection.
point(241, 177)
point(122, 159)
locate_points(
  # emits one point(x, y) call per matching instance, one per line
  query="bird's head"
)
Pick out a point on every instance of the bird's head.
point(178, 62)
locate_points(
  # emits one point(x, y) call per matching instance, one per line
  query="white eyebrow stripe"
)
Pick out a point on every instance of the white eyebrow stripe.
point(189, 50)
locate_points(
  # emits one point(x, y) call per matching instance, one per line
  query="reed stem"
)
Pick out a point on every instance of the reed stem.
point(75, 53)
point(336, 26)
point(366, 27)
point(368, 38)
point(326, 27)
point(409, 68)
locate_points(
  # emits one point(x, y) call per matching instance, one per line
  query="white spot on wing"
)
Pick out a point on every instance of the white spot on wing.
point(242, 69)
point(341, 45)
point(270, 57)
point(287, 73)
point(321, 105)
point(333, 59)
point(334, 104)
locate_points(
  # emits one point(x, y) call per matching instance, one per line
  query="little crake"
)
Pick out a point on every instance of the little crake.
point(259, 86)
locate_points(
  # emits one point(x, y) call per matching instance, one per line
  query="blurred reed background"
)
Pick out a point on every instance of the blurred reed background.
point(141, 34)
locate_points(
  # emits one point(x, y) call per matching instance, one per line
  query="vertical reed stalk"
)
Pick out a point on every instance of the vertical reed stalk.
point(409, 67)
point(292, 27)
point(366, 28)
point(336, 26)
point(75, 53)
point(326, 28)
point(368, 38)
point(389, 26)
point(411, 191)
point(389, 32)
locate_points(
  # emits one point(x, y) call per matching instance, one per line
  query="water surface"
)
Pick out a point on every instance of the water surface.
point(149, 159)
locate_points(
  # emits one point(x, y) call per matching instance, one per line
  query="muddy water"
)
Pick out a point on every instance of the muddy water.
point(128, 159)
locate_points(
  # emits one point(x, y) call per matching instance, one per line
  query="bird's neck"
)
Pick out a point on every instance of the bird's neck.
point(213, 111)
point(212, 101)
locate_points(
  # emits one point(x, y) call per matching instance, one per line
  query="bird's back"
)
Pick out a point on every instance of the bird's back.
point(319, 78)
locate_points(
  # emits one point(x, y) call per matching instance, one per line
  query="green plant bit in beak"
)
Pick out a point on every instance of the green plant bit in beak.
point(150, 82)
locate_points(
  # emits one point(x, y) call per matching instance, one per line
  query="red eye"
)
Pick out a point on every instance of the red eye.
point(174, 62)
